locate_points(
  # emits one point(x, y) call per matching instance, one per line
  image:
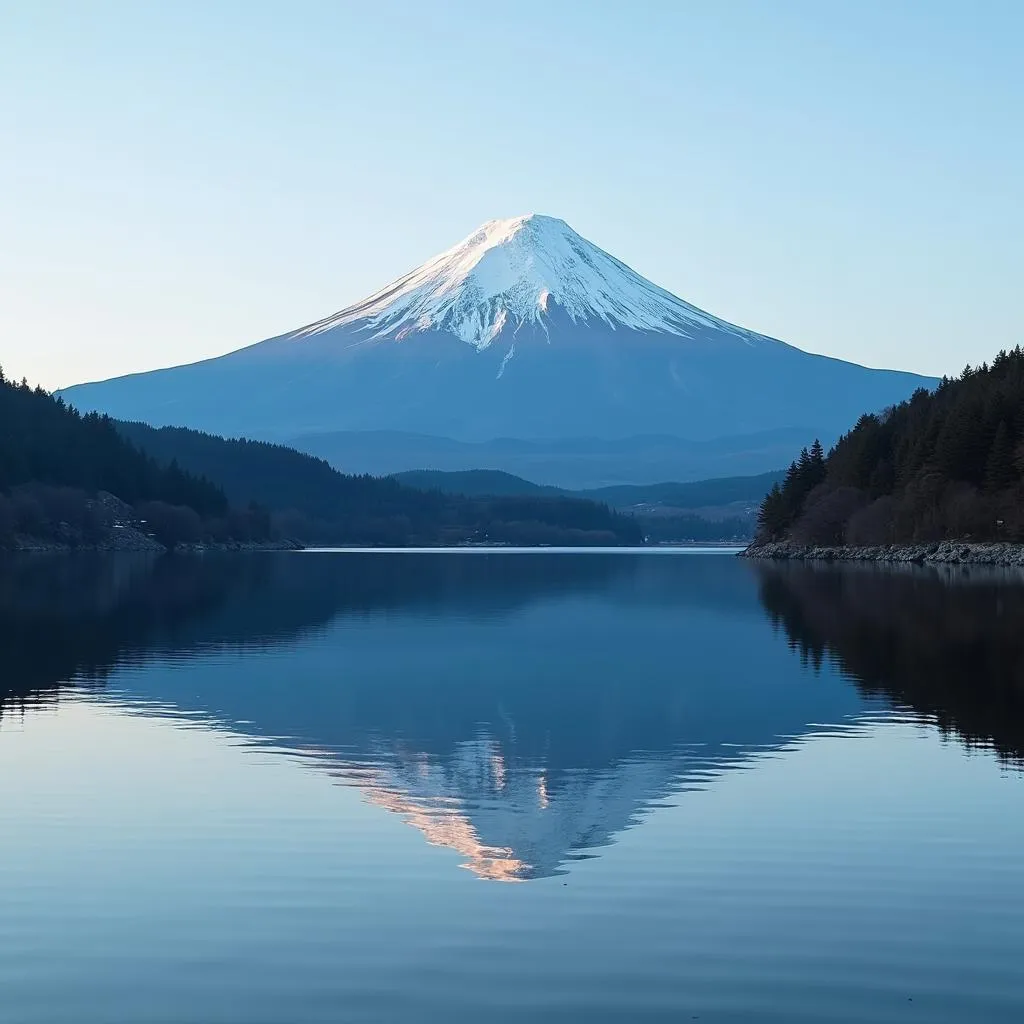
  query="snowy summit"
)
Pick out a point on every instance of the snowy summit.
point(512, 272)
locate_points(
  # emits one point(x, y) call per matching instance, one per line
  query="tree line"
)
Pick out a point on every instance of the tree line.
point(942, 465)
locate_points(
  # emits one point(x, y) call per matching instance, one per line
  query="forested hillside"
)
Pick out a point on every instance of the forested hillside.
point(315, 503)
point(689, 495)
point(42, 440)
point(943, 465)
point(696, 511)
point(54, 461)
point(84, 480)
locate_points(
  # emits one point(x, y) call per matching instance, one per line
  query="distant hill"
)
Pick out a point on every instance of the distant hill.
point(581, 463)
point(702, 510)
point(941, 466)
point(474, 483)
point(315, 503)
point(690, 495)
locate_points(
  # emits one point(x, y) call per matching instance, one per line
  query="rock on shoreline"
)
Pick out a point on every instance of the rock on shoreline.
point(946, 552)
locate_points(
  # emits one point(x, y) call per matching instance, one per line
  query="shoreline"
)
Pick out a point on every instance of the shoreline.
point(947, 552)
point(143, 545)
point(147, 545)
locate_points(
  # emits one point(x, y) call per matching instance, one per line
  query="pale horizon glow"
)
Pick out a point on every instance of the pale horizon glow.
point(181, 181)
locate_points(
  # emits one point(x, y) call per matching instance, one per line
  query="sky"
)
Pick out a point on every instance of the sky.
point(180, 180)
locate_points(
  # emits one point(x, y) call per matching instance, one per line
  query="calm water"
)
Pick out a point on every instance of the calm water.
point(508, 787)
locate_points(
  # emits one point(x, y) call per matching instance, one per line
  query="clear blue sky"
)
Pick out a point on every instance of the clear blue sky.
point(178, 180)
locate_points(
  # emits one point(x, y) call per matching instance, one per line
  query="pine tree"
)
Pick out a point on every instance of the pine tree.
point(772, 516)
point(1000, 471)
point(816, 470)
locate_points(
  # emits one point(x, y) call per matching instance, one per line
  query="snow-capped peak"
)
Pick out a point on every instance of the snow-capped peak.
point(510, 273)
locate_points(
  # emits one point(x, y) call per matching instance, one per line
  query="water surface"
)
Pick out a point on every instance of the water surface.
point(506, 786)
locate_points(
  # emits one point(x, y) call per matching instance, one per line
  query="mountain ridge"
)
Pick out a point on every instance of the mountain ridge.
point(685, 495)
point(572, 463)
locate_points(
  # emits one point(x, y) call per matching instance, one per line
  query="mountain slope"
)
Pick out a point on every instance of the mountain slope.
point(522, 330)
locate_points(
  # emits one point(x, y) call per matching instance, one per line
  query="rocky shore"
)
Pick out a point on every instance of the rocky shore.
point(946, 552)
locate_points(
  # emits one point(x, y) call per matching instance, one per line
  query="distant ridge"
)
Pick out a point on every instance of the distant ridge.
point(572, 463)
point(473, 482)
point(689, 495)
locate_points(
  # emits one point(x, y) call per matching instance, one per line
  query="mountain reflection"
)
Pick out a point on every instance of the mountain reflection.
point(947, 642)
point(522, 710)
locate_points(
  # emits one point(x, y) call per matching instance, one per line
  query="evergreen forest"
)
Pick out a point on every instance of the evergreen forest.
point(943, 465)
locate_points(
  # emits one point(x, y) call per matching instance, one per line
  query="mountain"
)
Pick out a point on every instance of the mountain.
point(524, 330)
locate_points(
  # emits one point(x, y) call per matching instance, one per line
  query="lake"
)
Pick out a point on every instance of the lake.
point(495, 786)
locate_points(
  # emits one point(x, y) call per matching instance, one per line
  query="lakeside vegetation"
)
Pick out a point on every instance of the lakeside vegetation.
point(943, 465)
